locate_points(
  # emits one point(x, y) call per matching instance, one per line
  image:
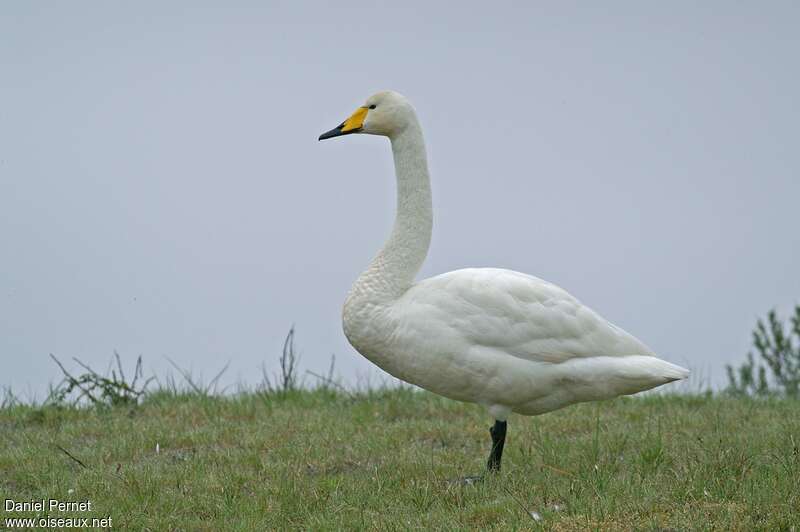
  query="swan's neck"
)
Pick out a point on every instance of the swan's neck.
point(392, 271)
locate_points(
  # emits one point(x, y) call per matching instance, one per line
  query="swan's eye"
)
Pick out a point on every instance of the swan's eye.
point(373, 106)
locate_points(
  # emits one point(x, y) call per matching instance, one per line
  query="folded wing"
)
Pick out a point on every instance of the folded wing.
point(517, 314)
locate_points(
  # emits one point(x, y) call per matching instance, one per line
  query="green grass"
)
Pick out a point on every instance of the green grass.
point(384, 460)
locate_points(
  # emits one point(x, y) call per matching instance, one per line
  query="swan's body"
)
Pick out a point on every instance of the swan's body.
point(503, 339)
point(499, 338)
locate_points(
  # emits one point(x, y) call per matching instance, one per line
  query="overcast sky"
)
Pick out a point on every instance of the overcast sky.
point(163, 193)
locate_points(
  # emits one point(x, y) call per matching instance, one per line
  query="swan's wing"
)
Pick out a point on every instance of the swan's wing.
point(516, 313)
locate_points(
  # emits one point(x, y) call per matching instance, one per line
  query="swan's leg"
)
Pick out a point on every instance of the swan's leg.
point(498, 432)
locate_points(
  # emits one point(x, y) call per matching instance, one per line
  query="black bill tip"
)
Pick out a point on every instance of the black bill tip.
point(337, 132)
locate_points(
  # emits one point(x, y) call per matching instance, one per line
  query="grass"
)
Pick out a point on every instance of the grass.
point(325, 460)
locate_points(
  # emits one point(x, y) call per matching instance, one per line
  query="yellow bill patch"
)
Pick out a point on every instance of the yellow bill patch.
point(356, 120)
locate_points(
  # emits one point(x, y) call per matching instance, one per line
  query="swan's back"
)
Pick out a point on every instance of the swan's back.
point(523, 315)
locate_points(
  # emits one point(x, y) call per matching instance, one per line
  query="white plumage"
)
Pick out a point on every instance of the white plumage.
point(500, 338)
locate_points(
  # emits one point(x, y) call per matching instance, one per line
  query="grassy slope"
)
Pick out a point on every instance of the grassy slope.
point(319, 460)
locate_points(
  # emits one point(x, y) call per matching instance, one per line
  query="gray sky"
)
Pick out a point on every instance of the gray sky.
point(163, 193)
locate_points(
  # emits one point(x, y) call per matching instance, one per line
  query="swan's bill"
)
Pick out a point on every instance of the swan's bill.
point(351, 125)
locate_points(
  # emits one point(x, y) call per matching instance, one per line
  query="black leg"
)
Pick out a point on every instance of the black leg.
point(498, 432)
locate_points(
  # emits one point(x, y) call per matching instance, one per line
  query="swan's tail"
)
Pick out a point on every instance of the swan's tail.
point(605, 377)
point(673, 372)
point(650, 371)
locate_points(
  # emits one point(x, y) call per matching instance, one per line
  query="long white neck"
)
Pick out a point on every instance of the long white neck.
point(392, 271)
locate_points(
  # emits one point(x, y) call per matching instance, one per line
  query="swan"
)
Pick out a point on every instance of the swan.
point(499, 338)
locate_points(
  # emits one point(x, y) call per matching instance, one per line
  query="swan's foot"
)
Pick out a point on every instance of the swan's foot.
point(498, 432)
point(470, 480)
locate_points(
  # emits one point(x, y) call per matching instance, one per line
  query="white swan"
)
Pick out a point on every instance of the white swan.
point(499, 338)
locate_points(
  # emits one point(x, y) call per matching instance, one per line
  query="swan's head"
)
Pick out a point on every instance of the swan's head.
point(386, 113)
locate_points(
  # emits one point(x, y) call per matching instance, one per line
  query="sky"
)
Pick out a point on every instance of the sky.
point(163, 192)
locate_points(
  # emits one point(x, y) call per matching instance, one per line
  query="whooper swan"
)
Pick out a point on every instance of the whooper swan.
point(499, 338)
